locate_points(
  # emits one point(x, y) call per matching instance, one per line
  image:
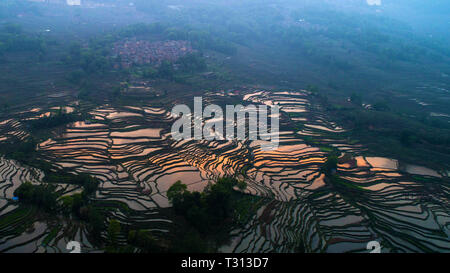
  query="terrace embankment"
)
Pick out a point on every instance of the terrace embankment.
point(130, 150)
point(25, 228)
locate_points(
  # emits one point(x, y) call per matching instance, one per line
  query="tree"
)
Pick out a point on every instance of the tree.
point(13, 28)
point(356, 99)
point(76, 76)
point(72, 203)
point(312, 88)
point(381, 106)
point(205, 211)
point(192, 63)
point(330, 165)
point(43, 196)
point(166, 71)
point(150, 73)
point(176, 192)
point(113, 231)
point(144, 240)
point(75, 50)
point(96, 220)
point(407, 138)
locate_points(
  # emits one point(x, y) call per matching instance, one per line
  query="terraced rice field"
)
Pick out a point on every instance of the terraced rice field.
point(130, 150)
point(22, 229)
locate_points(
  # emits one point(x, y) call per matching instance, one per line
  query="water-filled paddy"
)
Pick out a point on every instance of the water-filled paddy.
point(129, 150)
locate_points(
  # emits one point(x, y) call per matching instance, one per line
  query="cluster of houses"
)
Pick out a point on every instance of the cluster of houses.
point(133, 51)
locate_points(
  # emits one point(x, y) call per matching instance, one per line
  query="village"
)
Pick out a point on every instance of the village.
point(133, 51)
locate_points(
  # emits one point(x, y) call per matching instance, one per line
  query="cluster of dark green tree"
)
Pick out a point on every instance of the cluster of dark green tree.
point(192, 63)
point(43, 196)
point(164, 71)
point(90, 63)
point(202, 224)
point(346, 188)
point(54, 120)
point(209, 214)
point(369, 33)
point(207, 210)
point(91, 58)
point(413, 136)
point(13, 39)
point(242, 23)
point(89, 183)
point(329, 168)
point(20, 150)
point(408, 132)
point(123, 239)
point(79, 205)
point(136, 239)
point(145, 240)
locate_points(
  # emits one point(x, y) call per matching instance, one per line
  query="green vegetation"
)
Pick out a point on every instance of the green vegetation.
point(144, 240)
point(113, 232)
point(95, 219)
point(206, 211)
point(330, 165)
point(337, 181)
point(89, 183)
point(166, 71)
point(51, 235)
point(90, 60)
point(206, 219)
point(52, 121)
point(393, 134)
point(72, 203)
point(18, 220)
point(13, 39)
point(326, 149)
point(212, 212)
point(42, 196)
point(22, 151)
point(15, 215)
point(79, 205)
point(192, 63)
